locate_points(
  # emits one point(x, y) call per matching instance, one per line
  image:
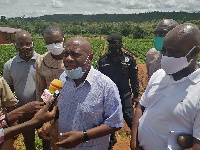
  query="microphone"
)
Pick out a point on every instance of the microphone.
point(54, 91)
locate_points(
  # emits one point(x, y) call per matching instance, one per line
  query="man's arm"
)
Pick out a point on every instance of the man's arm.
point(40, 82)
point(28, 110)
point(42, 116)
point(74, 138)
point(9, 109)
point(134, 132)
point(7, 77)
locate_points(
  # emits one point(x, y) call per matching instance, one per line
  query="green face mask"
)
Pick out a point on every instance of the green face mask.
point(158, 43)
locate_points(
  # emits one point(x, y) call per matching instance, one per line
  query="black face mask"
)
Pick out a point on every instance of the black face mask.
point(115, 52)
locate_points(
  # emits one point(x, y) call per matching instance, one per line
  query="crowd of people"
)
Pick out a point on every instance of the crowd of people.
point(94, 100)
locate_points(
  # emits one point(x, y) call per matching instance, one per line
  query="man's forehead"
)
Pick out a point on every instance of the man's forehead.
point(24, 37)
point(72, 48)
point(162, 28)
point(76, 49)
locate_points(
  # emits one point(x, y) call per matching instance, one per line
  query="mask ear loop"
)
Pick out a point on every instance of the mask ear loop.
point(86, 62)
point(190, 52)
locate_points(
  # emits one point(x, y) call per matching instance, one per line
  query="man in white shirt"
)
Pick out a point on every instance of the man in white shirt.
point(170, 104)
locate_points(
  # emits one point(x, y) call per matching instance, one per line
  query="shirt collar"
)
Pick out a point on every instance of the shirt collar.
point(18, 58)
point(195, 76)
point(90, 76)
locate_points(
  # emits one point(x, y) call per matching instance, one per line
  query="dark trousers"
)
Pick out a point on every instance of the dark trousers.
point(127, 109)
point(46, 144)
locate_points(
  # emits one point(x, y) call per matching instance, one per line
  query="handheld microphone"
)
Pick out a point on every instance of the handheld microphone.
point(54, 89)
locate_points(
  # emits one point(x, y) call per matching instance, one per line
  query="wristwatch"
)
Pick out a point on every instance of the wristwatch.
point(85, 136)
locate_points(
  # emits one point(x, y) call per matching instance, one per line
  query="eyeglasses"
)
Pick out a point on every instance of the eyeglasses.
point(24, 45)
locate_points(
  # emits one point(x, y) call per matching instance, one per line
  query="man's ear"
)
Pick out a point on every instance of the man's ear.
point(91, 56)
point(16, 46)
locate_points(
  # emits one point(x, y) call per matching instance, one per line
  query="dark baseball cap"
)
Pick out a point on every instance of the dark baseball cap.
point(114, 38)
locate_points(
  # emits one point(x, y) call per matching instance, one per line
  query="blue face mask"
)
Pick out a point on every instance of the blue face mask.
point(74, 73)
point(158, 43)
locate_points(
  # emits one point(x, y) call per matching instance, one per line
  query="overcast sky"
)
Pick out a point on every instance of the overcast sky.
point(33, 8)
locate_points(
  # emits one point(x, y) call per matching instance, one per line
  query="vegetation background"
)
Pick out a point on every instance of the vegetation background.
point(137, 31)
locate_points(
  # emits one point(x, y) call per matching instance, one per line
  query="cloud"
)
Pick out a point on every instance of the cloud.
point(57, 4)
point(101, 1)
point(40, 4)
point(31, 8)
point(4, 1)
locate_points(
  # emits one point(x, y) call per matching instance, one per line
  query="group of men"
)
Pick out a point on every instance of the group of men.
point(86, 119)
point(93, 102)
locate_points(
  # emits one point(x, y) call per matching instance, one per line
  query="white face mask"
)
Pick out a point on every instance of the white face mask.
point(55, 49)
point(172, 65)
point(76, 73)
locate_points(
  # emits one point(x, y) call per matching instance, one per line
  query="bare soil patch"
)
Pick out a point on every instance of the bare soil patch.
point(123, 135)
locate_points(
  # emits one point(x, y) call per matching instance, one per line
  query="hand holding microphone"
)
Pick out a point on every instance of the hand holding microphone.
point(50, 95)
point(54, 91)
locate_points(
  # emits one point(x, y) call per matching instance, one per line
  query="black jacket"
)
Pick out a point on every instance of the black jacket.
point(120, 72)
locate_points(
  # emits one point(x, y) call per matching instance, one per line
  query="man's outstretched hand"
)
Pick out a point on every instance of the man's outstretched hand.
point(73, 138)
point(43, 115)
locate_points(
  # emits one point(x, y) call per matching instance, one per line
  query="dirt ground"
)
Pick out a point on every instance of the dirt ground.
point(123, 141)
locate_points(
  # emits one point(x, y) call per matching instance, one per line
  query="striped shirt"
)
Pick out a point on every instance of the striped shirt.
point(94, 102)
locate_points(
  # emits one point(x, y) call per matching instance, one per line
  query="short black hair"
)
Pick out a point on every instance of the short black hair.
point(114, 38)
point(53, 29)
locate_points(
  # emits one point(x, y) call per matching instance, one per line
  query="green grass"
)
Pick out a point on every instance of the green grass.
point(19, 144)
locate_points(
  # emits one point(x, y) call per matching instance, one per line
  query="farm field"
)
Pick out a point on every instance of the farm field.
point(138, 47)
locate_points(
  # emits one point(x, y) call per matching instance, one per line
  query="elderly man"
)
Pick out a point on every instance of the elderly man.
point(170, 104)
point(19, 72)
point(153, 56)
point(89, 104)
